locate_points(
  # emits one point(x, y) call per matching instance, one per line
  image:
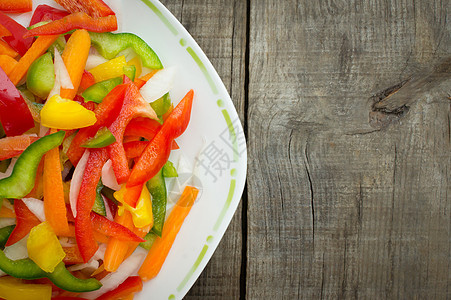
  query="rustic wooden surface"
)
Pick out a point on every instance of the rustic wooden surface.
point(348, 190)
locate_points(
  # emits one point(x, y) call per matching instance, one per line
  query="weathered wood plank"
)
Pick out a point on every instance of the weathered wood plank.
point(219, 28)
point(338, 208)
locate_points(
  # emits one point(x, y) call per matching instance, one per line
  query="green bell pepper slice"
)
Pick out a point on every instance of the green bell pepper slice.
point(59, 44)
point(162, 105)
point(41, 76)
point(5, 232)
point(103, 138)
point(27, 269)
point(150, 238)
point(99, 90)
point(30, 100)
point(169, 170)
point(22, 179)
point(157, 188)
point(99, 205)
point(4, 164)
point(110, 44)
point(130, 72)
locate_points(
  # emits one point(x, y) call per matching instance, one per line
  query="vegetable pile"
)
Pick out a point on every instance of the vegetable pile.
point(87, 127)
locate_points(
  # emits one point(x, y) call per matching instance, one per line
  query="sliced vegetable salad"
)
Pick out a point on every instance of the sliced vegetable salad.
point(87, 127)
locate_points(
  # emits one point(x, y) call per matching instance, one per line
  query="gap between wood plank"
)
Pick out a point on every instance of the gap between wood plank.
point(244, 228)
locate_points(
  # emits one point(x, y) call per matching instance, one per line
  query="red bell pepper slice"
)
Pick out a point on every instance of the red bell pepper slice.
point(16, 39)
point(113, 229)
point(131, 285)
point(146, 128)
point(75, 21)
point(88, 105)
point(15, 6)
point(87, 79)
point(84, 232)
point(25, 220)
point(151, 160)
point(179, 118)
point(47, 13)
point(134, 106)
point(157, 152)
point(94, 8)
point(14, 145)
point(125, 79)
point(15, 115)
point(143, 127)
point(106, 112)
point(4, 31)
point(134, 149)
point(131, 196)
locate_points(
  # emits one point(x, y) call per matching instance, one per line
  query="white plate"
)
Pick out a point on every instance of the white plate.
point(214, 141)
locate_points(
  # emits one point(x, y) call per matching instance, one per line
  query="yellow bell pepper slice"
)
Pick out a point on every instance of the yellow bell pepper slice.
point(63, 113)
point(142, 215)
point(44, 248)
point(110, 69)
point(15, 289)
point(136, 61)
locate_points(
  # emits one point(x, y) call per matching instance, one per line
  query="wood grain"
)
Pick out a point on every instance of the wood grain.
point(348, 191)
point(219, 29)
point(346, 210)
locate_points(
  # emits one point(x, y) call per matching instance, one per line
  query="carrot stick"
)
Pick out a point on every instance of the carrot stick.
point(38, 48)
point(116, 250)
point(54, 205)
point(129, 297)
point(5, 49)
point(6, 213)
point(160, 248)
point(73, 256)
point(4, 31)
point(16, 6)
point(141, 232)
point(7, 63)
point(74, 56)
point(99, 270)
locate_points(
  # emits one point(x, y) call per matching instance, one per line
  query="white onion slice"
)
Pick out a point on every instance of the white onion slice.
point(61, 71)
point(42, 129)
point(128, 53)
point(75, 183)
point(108, 176)
point(7, 204)
point(128, 268)
point(10, 169)
point(67, 241)
point(100, 253)
point(56, 89)
point(94, 59)
point(17, 250)
point(7, 222)
point(159, 84)
point(109, 214)
point(36, 206)
point(91, 266)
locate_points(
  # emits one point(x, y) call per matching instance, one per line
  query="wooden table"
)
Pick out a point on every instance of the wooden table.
point(348, 192)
